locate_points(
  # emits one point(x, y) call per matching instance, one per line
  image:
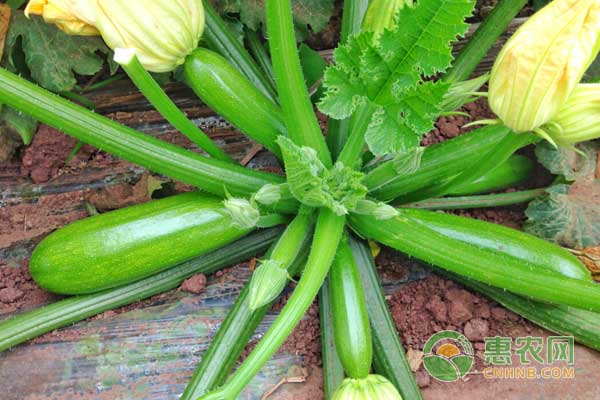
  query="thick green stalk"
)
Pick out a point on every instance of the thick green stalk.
point(439, 162)
point(479, 263)
point(482, 40)
point(260, 54)
point(352, 17)
point(483, 201)
point(159, 99)
point(350, 319)
point(583, 325)
point(389, 356)
point(328, 233)
point(233, 336)
point(333, 372)
point(219, 38)
point(301, 121)
point(351, 154)
point(212, 175)
point(23, 327)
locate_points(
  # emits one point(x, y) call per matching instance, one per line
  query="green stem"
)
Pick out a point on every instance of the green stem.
point(78, 98)
point(351, 154)
point(481, 264)
point(219, 38)
point(233, 335)
point(23, 327)
point(467, 202)
point(482, 40)
point(301, 121)
point(485, 163)
point(260, 54)
point(333, 372)
point(212, 175)
point(328, 233)
point(103, 83)
point(352, 17)
point(159, 99)
point(390, 359)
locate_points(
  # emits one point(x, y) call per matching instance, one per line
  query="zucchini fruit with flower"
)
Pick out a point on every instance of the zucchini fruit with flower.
point(382, 84)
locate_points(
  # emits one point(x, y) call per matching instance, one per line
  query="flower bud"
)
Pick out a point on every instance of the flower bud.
point(161, 32)
point(543, 62)
point(373, 387)
point(268, 281)
point(243, 214)
point(268, 194)
point(380, 211)
point(71, 16)
point(579, 118)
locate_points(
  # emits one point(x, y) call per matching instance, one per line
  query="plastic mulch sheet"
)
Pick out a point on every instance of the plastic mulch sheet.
point(149, 352)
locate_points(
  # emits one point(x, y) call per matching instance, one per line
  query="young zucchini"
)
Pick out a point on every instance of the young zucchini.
point(350, 320)
point(508, 174)
point(439, 162)
point(528, 249)
point(513, 267)
point(234, 97)
point(126, 245)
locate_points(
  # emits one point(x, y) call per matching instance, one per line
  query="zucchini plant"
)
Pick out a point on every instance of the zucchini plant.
point(391, 78)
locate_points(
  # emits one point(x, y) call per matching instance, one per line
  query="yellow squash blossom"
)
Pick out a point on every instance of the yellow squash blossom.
point(543, 62)
point(71, 16)
point(162, 33)
point(579, 118)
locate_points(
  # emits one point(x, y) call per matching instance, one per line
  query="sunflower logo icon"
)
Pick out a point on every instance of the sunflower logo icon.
point(448, 356)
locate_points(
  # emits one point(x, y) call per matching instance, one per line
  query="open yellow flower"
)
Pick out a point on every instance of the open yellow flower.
point(71, 16)
point(162, 33)
point(543, 62)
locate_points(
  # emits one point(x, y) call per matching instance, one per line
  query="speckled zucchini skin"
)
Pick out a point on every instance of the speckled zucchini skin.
point(126, 245)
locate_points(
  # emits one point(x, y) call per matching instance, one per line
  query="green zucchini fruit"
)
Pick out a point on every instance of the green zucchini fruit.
point(230, 94)
point(389, 358)
point(351, 328)
point(508, 174)
point(129, 244)
point(528, 249)
point(515, 266)
point(439, 162)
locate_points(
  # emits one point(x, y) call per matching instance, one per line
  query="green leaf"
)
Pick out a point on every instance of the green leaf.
point(307, 13)
point(51, 56)
point(568, 215)
point(390, 74)
point(338, 189)
point(313, 67)
point(20, 124)
point(15, 127)
point(566, 162)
